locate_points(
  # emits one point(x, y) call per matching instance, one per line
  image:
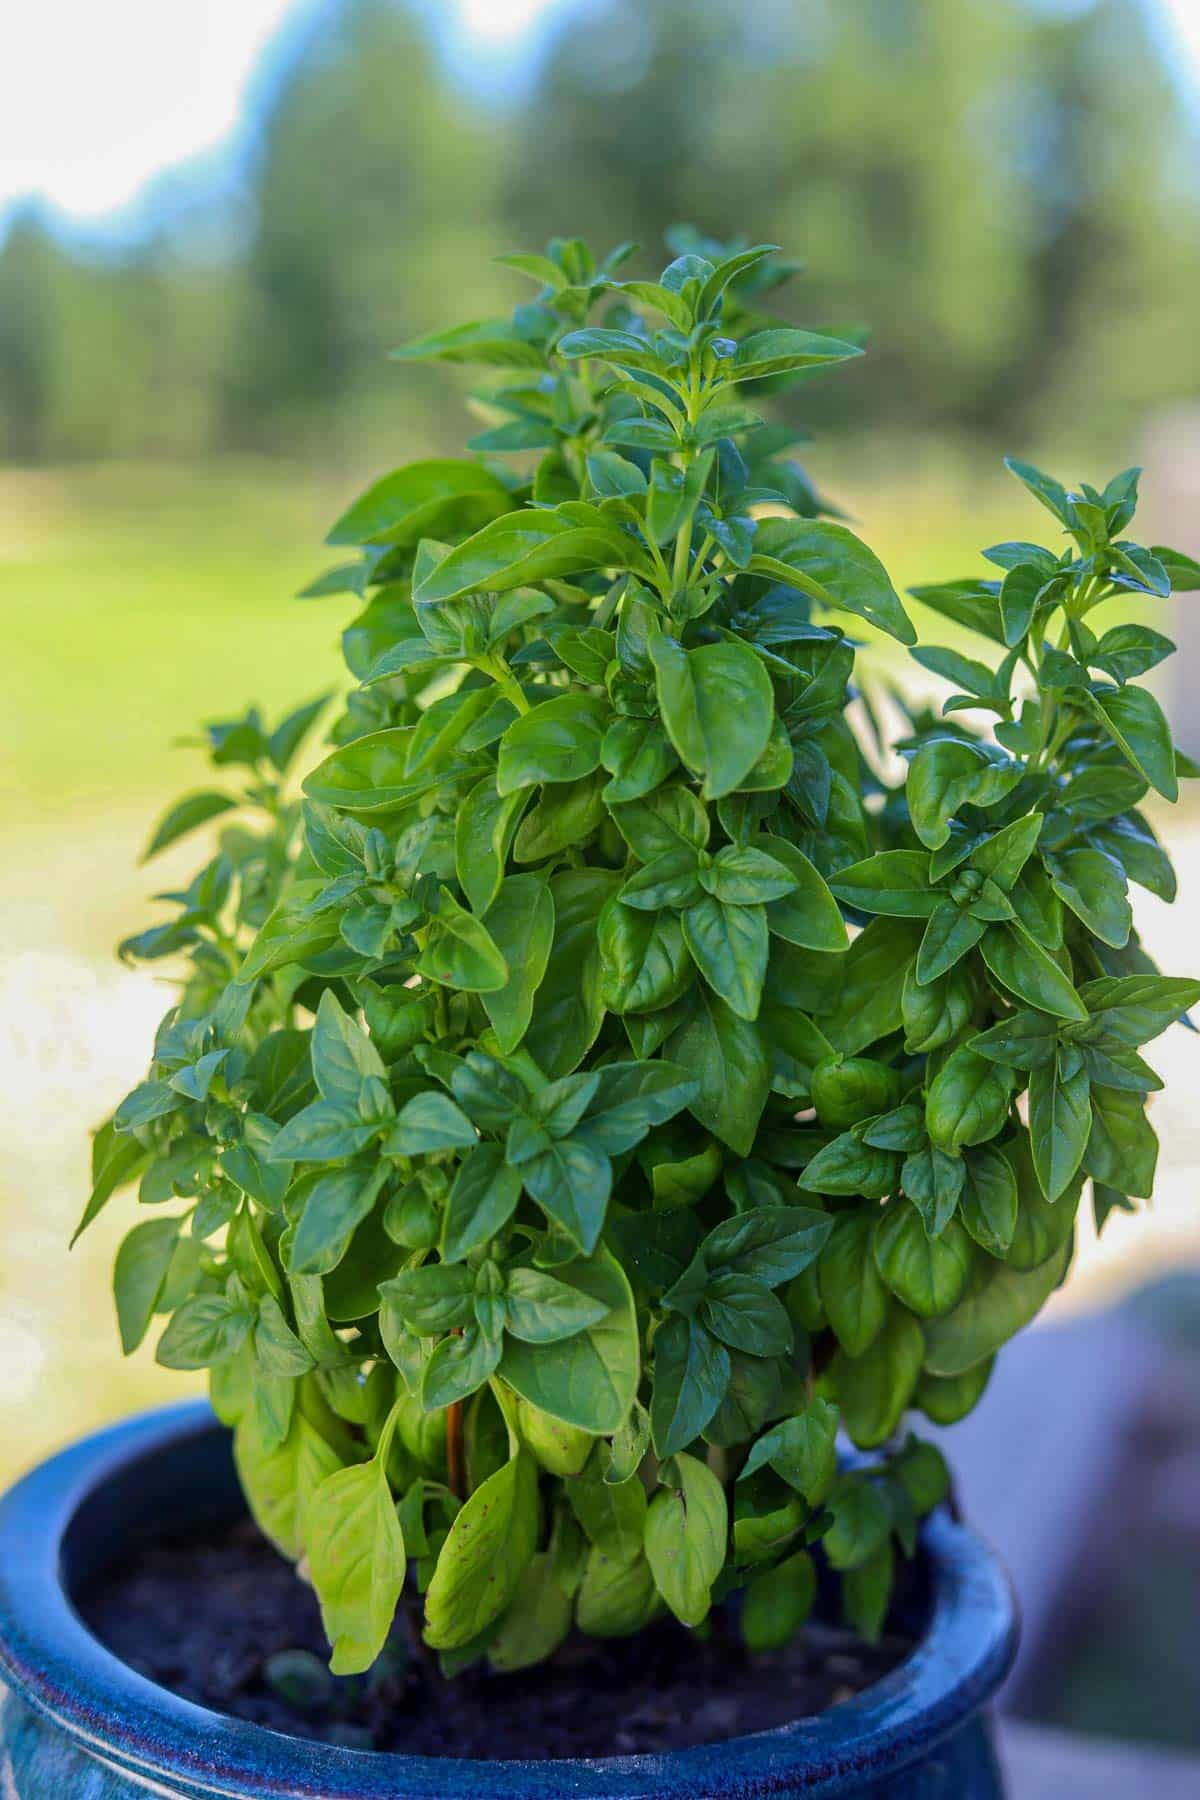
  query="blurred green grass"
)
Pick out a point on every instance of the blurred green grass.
point(138, 600)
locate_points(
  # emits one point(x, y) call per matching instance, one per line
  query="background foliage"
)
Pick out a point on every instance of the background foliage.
point(1004, 189)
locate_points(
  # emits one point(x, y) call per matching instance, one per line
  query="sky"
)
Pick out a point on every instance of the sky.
point(146, 85)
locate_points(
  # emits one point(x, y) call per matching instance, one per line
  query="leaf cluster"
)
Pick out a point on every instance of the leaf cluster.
point(597, 1086)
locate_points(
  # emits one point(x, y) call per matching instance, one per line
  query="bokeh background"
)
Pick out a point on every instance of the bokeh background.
point(216, 219)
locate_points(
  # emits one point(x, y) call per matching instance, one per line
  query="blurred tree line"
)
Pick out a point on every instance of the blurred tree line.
point(1005, 189)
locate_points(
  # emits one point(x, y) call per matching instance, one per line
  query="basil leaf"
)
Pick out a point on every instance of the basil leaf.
point(556, 741)
point(927, 1273)
point(1059, 1121)
point(717, 706)
point(967, 1101)
point(686, 1531)
point(520, 922)
point(356, 1561)
point(830, 563)
point(691, 1373)
point(484, 1556)
point(727, 1056)
point(589, 1379)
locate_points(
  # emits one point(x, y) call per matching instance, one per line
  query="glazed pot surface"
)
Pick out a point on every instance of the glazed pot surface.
point(81, 1725)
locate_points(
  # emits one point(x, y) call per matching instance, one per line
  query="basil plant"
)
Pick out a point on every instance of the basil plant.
point(595, 1086)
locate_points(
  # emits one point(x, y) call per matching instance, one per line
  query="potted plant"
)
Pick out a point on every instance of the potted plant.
point(599, 1084)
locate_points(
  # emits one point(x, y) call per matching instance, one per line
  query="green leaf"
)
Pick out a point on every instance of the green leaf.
point(874, 1389)
point(999, 1300)
point(343, 1056)
point(835, 567)
point(484, 1556)
point(482, 1199)
point(1138, 727)
point(117, 1160)
point(1051, 493)
point(847, 1165)
point(206, 1330)
point(491, 341)
point(974, 604)
point(669, 820)
point(557, 741)
point(687, 1527)
point(483, 835)
point(187, 815)
point(934, 1012)
point(630, 1099)
point(639, 756)
point(458, 1367)
point(691, 1373)
point(1021, 1040)
point(440, 498)
point(540, 1309)
point(1136, 1008)
point(1029, 972)
point(770, 1244)
point(536, 1622)
point(280, 1352)
point(139, 1275)
point(894, 882)
point(927, 1273)
point(356, 1562)
point(728, 944)
point(951, 773)
point(745, 1315)
point(988, 1205)
point(1060, 1120)
point(1127, 651)
point(590, 1379)
point(777, 1602)
point(429, 1300)
point(569, 1007)
point(851, 1287)
point(1122, 1149)
point(781, 350)
point(1183, 570)
point(460, 951)
point(429, 1123)
point(520, 922)
point(644, 960)
point(933, 1180)
point(808, 915)
point(867, 1593)
point(334, 1205)
point(1093, 886)
point(571, 1182)
point(862, 1522)
point(967, 1101)
point(326, 1131)
point(279, 1480)
point(727, 1056)
point(870, 1004)
point(288, 935)
point(803, 1450)
point(524, 547)
point(717, 705)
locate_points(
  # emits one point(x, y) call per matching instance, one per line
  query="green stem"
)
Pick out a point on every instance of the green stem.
point(502, 675)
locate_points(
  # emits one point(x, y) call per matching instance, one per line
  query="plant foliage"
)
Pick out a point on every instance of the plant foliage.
point(560, 1171)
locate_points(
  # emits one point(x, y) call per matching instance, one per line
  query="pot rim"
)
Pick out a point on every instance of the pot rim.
point(52, 1662)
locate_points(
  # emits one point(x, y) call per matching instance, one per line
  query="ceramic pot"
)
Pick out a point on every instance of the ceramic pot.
point(78, 1724)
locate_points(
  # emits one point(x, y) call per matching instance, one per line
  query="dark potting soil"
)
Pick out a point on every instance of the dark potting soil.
point(224, 1621)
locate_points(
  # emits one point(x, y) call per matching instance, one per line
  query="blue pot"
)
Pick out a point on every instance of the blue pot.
point(80, 1725)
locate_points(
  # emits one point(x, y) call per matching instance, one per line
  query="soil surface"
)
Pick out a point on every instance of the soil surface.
point(226, 1622)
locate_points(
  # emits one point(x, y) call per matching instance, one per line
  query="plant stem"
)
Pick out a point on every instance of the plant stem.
point(455, 1457)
